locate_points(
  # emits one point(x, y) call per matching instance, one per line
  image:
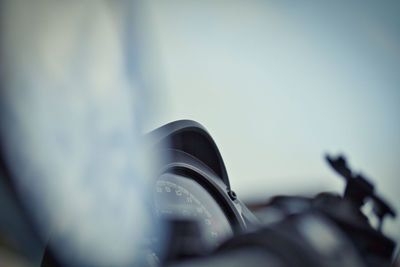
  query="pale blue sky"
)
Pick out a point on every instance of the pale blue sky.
point(278, 84)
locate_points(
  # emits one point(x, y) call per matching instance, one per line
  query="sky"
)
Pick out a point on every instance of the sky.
point(280, 84)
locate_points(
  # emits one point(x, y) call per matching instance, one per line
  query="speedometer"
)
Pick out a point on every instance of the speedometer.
point(193, 184)
point(179, 197)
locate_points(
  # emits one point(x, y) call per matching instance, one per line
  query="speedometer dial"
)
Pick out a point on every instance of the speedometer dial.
point(180, 197)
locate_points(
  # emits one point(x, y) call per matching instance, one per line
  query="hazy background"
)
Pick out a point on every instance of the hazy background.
point(277, 84)
point(280, 83)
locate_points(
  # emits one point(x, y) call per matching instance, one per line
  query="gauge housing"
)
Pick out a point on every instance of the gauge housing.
point(192, 153)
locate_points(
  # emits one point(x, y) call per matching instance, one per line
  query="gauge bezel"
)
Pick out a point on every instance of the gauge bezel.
point(187, 166)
